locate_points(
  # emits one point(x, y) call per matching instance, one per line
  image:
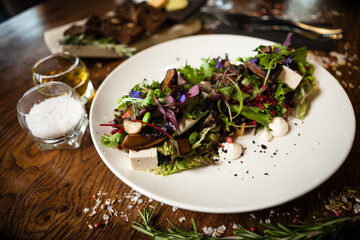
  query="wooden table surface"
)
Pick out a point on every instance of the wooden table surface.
point(43, 194)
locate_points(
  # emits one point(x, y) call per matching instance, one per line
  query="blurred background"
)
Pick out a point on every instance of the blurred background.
point(10, 8)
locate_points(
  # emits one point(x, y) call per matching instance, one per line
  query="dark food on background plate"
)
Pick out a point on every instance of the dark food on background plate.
point(125, 24)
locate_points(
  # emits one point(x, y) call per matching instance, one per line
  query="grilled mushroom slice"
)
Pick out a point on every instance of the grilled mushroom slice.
point(171, 78)
point(138, 141)
point(261, 73)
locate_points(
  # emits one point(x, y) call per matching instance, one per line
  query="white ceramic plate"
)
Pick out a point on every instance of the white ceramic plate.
point(288, 168)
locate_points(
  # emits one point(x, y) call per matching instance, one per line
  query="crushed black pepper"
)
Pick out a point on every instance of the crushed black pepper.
point(263, 146)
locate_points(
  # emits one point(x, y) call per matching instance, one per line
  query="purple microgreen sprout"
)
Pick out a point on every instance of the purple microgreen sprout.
point(287, 41)
point(170, 98)
point(193, 91)
point(170, 115)
point(224, 74)
point(276, 50)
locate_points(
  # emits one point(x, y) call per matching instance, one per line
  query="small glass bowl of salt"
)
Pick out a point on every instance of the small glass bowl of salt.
point(53, 115)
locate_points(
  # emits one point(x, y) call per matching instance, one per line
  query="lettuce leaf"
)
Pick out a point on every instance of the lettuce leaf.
point(251, 113)
point(180, 164)
point(113, 140)
point(195, 75)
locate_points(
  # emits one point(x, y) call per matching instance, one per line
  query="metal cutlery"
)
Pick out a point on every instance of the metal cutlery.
point(253, 23)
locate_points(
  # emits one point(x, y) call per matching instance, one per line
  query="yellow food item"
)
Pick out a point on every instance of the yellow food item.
point(158, 4)
point(174, 5)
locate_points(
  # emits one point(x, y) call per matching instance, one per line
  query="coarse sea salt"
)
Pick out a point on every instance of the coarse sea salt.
point(47, 124)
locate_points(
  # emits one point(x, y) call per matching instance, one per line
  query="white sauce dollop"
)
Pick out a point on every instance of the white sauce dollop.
point(265, 135)
point(279, 127)
point(230, 151)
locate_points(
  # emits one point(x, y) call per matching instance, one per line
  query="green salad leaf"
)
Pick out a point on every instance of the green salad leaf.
point(113, 140)
point(180, 164)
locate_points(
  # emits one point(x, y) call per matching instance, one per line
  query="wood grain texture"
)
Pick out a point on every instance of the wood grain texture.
point(43, 194)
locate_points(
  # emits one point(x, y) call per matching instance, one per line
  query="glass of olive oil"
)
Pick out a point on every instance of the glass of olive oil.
point(67, 68)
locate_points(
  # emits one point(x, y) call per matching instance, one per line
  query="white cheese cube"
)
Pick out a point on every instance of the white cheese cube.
point(290, 77)
point(185, 124)
point(143, 159)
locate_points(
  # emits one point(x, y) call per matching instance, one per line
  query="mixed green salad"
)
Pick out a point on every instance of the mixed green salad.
point(185, 118)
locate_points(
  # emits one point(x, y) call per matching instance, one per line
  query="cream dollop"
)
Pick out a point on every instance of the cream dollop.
point(230, 151)
point(279, 127)
point(265, 135)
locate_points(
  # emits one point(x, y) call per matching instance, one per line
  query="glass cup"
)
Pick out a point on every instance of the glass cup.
point(54, 115)
point(66, 68)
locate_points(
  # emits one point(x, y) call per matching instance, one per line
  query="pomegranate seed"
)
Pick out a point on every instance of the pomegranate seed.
point(296, 219)
point(272, 112)
point(229, 140)
point(274, 103)
point(120, 130)
point(253, 122)
point(267, 101)
point(262, 107)
point(296, 209)
point(354, 48)
point(94, 196)
point(97, 225)
point(119, 147)
point(253, 229)
point(222, 146)
point(113, 131)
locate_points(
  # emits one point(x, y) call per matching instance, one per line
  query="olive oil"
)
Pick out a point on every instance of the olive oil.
point(63, 68)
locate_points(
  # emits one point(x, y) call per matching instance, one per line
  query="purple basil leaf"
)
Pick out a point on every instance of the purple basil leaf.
point(181, 80)
point(287, 41)
point(215, 95)
point(170, 115)
point(193, 91)
point(170, 99)
point(158, 104)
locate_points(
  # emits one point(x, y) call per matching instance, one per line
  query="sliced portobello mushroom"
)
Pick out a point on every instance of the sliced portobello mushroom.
point(138, 142)
point(171, 78)
point(261, 73)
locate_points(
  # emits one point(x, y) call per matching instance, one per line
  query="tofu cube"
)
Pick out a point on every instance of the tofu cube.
point(290, 77)
point(143, 159)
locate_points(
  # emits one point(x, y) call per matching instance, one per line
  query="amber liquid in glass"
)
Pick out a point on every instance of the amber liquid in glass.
point(64, 70)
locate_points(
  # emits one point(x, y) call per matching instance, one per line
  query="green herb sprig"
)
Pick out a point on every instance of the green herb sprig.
point(105, 43)
point(323, 229)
